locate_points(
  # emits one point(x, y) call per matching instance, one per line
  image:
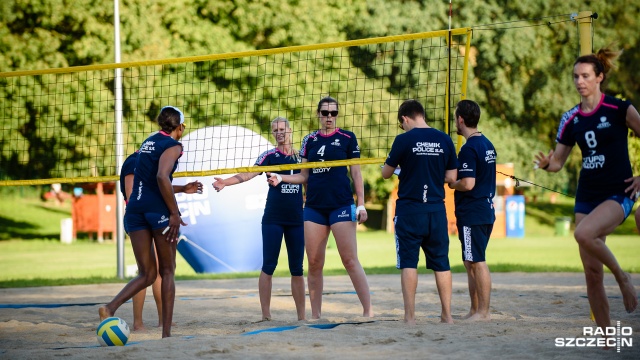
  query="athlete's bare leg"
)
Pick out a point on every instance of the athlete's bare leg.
point(482, 290)
point(297, 290)
point(409, 282)
point(591, 231)
point(141, 241)
point(473, 295)
point(166, 266)
point(315, 237)
point(444, 284)
point(264, 289)
point(138, 305)
point(345, 234)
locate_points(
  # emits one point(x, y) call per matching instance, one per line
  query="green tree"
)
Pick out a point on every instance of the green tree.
point(520, 72)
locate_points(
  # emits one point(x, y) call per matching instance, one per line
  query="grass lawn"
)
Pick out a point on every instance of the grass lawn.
point(32, 255)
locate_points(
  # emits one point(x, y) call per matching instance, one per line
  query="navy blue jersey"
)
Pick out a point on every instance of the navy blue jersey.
point(146, 196)
point(477, 159)
point(284, 202)
point(128, 168)
point(424, 155)
point(329, 188)
point(602, 137)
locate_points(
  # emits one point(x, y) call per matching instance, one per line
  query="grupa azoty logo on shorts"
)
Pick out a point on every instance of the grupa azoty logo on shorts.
point(616, 337)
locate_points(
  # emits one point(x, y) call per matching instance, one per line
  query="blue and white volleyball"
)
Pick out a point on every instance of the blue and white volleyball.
point(224, 232)
point(113, 331)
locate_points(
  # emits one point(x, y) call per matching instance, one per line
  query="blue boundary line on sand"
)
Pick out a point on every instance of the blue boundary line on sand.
point(314, 326)
point(45, 306)
point(59, 305)
point(50, 306)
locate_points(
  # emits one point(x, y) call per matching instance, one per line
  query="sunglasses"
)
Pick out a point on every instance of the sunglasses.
point(333, 113)
point(401, 124)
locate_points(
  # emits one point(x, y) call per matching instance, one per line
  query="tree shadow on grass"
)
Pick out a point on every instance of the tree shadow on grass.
point(628, 227)
point(12, 229)
point(53, 209)
point(547, 213)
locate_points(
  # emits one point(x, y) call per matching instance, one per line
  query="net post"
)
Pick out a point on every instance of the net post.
point(119, 143)
point(585, 30)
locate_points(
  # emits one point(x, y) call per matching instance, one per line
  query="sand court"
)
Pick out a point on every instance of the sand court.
point(221, 319)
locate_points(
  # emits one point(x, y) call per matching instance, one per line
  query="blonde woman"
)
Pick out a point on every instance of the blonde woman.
point(282, 217)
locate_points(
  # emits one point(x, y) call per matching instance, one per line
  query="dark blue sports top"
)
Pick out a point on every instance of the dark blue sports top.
point(602, 137)
point(128, 168)
point(477, 159)
point(284, 202)
point(329, 188)
point(146, 196)
point(424, 155)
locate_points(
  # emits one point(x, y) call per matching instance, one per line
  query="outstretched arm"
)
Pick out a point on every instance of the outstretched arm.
point(633, 120)
point(190, 188)
point(300, 178)
point(387, 171)
point(220, 183)
point(554, 161)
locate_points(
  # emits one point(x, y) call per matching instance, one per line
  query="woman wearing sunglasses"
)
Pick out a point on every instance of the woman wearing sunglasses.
point(329, 205)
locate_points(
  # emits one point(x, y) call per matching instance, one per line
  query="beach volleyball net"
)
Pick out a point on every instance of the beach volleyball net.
point(58, 125)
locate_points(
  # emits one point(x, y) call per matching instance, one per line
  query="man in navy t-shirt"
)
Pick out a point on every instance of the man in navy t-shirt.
point(427, 159)
point(475, 214)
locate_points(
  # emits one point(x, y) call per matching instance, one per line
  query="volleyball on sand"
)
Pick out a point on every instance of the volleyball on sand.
point(113, 331)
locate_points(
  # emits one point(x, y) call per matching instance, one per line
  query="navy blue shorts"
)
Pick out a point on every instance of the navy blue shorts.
point(330, 217)
point(586, 207)
point(426, 231)
point(145, 221)
point(474, 240)
point(271, 242)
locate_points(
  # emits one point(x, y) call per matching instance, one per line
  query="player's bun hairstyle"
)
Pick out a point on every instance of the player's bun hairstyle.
point(328, 100)
point(170, 118)
point(603, 61)
point(410, 108)
point(470, 111)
